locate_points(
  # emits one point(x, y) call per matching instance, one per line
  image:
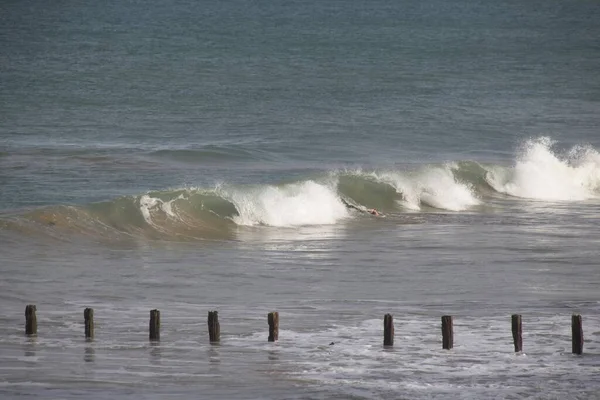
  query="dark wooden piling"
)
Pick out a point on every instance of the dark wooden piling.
point(577, 330)
point(88, 316)
point(214, 330)
point(273, 319)
point(154, 325)
point(447, 332)
point(388, 330)
point(517, 332)
point(30, 320)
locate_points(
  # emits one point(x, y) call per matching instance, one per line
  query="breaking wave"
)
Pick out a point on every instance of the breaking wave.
point(217, 212)
point(540, 173)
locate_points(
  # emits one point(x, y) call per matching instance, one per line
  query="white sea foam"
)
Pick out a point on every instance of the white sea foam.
point(305, 203)
point(149, 205)
point(434, 186)
point(440, 189)
point(482, 348)
point(541, 173)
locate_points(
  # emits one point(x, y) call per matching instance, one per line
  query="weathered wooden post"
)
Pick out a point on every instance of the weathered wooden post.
point(273, 319)
point(214, 330)
point(388, 330)
point(154, 325)
point(577, 330)
point(447, 332)
point(30, 320)
point(88, 316)
point(517, 332)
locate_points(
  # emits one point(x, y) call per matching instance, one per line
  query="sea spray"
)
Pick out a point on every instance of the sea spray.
point(544, 174)
point(433, 186)
point(440, 189)
point(304, 203)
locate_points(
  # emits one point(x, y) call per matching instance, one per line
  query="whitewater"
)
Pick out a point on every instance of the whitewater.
point(539, 172)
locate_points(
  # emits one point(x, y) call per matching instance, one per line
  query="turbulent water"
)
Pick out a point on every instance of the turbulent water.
point(196, 156)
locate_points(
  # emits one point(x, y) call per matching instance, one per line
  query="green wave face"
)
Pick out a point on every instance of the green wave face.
point(332, 198)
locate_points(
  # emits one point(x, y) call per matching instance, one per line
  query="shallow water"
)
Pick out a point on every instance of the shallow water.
point(330, 284)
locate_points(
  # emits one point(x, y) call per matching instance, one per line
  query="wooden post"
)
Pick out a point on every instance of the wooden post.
point(577, 330)
point(447, 332)
point(154, 325)
point(517, 332)
point(30, 320)
point(388, 330)
point(88, 316)
point(273, 319)
point(214, 330)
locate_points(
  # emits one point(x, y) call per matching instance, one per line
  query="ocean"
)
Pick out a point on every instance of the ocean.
point(191, 156)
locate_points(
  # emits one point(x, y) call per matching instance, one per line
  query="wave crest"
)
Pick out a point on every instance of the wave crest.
point(542, 173)
point(304, 203)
